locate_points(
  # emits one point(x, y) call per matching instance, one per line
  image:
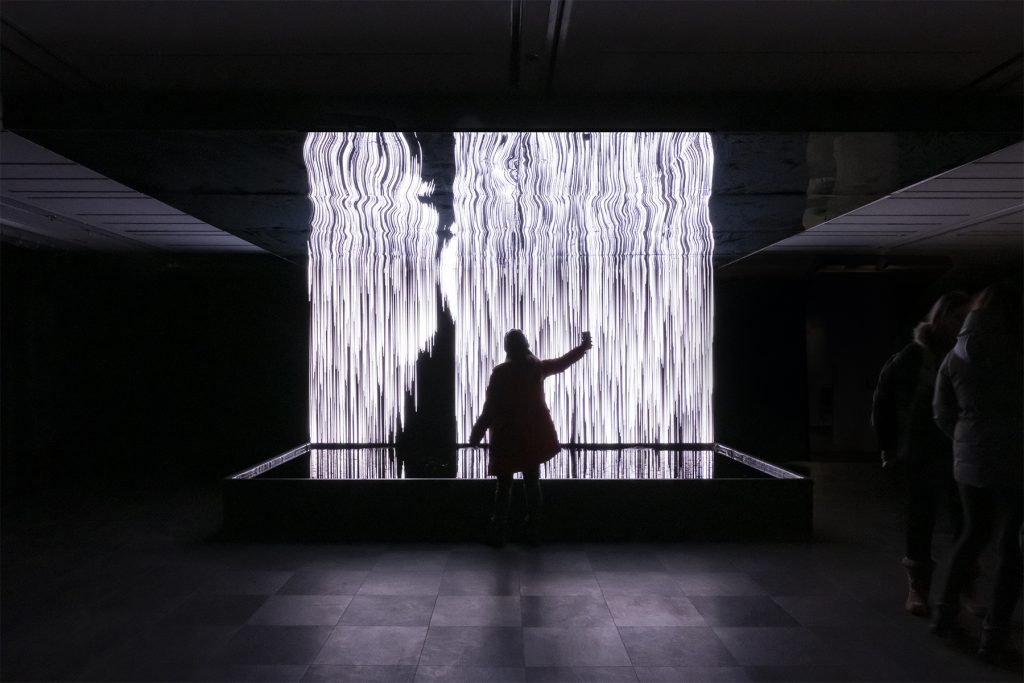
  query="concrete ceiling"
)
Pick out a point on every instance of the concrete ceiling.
point(977, 207)
point(47, 199)
point(204, 105)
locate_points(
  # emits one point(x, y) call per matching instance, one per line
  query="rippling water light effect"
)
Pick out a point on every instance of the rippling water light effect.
point(556, 233)
point(372, 283)
point(471, 463)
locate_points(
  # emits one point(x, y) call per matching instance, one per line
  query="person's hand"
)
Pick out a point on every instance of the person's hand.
point(587, 342)
point(476, 437)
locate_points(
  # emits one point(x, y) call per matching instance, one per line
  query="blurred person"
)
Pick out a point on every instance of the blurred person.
point(522, 435)
point(912, 444)
point(978, 402)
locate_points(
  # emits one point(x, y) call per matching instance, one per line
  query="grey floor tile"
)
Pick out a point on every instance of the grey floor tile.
point(637, 583)
point(209, 610)
point(556, 561)
point(246, 673)
point(483, 559)
point(412, 561)
point(627, 561)
point(653, 610)
point(566, 611)
point(324, 582)
point(675, 646)
point(246, 582)
point(276, 644)
point(787, 582)
point(692, 674)
point(821, 610)
point(389, 610)
point(742, 610)
point(470, 674)
point(488, 646)
point(401, 583)
point(133, 670)
point(807, 674)
point(334, 673)
point(342, 559)
point(477, 610)
point(497, 581)
point(559, 583)
point(548, 646)
point(580, 674)
point(175, 643)
point(301, 610)
point(373, 645)
point(777, 646)
point(719, 583)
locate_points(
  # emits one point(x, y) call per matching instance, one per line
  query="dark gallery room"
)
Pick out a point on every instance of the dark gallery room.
point(511, 340)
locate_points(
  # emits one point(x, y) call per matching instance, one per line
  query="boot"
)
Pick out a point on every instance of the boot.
point(970, 597)
point(919, 578)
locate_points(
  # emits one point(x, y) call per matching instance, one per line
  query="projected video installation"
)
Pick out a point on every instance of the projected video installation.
point(554, 233)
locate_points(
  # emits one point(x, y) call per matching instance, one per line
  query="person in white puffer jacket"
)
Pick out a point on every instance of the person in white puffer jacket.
point(978, 403)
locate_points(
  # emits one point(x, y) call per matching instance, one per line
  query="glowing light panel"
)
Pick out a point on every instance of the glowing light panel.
point(372, 283)
point(557, 233)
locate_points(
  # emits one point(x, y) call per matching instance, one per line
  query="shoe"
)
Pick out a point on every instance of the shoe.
point(945, 623)
point(919, 583)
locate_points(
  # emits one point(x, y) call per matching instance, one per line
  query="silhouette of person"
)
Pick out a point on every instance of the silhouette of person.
point(522, 435)
point(909, 439)
point(978, 402)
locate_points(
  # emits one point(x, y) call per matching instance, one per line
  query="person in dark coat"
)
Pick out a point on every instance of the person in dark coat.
point(912, 443)
point(978, 402)
point(522, 435)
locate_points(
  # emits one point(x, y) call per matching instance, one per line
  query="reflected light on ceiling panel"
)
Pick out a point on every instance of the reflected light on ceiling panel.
point(372, 283)
point(557, 233)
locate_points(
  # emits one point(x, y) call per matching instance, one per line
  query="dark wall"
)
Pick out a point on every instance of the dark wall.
point(760, 398)
point(140, 367)
point(797, 356)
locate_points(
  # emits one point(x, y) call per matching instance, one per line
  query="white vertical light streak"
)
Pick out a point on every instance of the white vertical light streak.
point(372, 283)
point(557, 233)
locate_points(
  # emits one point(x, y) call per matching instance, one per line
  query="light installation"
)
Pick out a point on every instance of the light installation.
point(471, 463)
point(372, 283)
point(555, 233)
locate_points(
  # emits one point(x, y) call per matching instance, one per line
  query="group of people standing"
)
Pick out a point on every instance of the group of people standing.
point(949, 416)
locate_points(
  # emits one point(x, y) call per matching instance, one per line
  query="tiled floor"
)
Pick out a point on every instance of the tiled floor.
point(137, 588)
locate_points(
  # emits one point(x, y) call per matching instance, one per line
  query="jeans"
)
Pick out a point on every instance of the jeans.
point(930, 487)
point(984, 508)
point(503, 495)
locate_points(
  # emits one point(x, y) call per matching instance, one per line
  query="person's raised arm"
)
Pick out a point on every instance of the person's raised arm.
point(560, 364)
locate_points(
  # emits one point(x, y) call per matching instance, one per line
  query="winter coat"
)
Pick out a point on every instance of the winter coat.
point(901, 412)
point(522, 433)
point(978, 403)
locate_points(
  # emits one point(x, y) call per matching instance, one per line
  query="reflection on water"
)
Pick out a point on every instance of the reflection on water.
point(471, 463)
